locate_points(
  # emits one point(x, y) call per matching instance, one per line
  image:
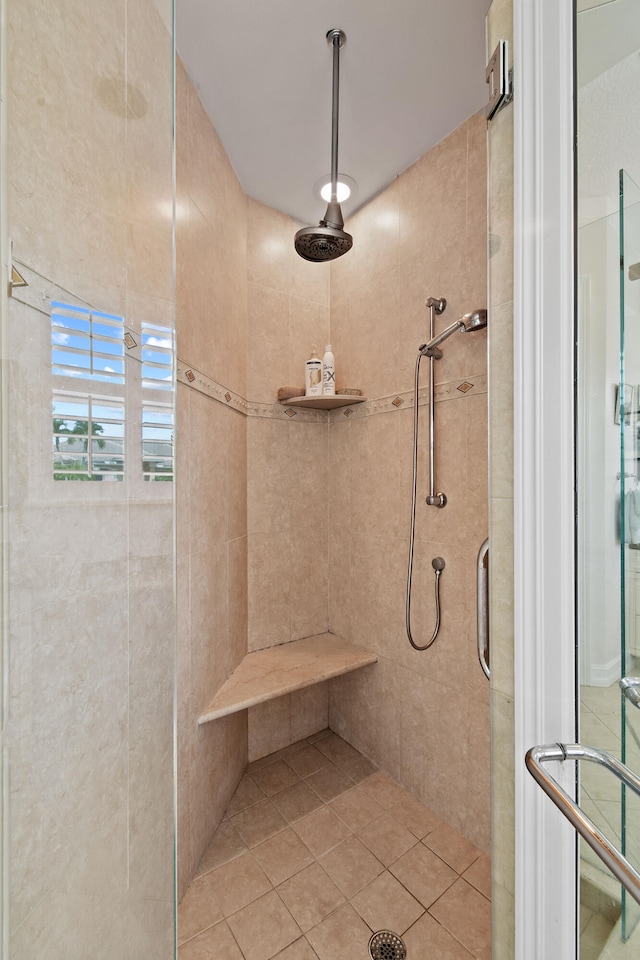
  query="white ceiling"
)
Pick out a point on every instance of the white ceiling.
point(410, 72)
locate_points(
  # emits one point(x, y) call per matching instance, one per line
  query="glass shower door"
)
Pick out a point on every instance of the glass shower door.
point(630, 533)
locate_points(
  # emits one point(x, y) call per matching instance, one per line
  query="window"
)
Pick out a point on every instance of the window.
point(86, 343)
point(157, 357)
point(157, 441)
point(88, 437)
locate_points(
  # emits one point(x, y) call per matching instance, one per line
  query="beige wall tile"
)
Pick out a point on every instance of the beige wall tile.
point(375, 231)
point(424, 702)
point(212, 335)
point(309, 711)
point(268, 329)
point(269, 727)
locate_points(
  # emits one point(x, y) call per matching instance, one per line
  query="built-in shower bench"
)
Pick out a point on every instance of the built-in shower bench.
point(275, 671)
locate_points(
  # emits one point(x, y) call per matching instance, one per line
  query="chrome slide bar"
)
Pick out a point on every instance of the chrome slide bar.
point(482, 588)
point(599, 843)
point(437, 306)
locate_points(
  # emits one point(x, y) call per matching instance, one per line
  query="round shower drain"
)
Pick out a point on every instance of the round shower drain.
point(385, 945)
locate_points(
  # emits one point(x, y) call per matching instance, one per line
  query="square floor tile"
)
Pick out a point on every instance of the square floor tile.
point(198, 910)
point(385, 790)
point(384, 904)
point(321, 830)
point(238, 882)
point(310, 896)
point(351, 865)
point(356, 807)
point(466, 914)
point(264, 928)
point(424, 874)
point(216, 943)
point(299, 950)
point(226, 845)
point(342, 935)
point(296, 801)
point(259, 822)
point(275, 778)
point(320, 735)
point(452, 847)
point(387, 838)
point(427, 935)
point(329, 782)
point(307, 760)
point(247, 793)
point(282, 856)
point(358, 768)
point(415, 816)
point(336, 749)
point(479, 875)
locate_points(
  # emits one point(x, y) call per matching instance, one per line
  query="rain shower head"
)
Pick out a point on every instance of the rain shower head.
point(476, 320)
point(328, 240)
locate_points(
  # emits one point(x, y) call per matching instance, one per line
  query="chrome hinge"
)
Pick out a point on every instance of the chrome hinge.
point(500, 80)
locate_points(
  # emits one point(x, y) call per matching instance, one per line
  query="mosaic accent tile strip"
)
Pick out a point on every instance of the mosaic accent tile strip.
point(192, 377)
point(451, 390)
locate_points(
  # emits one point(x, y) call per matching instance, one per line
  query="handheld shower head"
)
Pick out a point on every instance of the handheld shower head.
point(476, 320)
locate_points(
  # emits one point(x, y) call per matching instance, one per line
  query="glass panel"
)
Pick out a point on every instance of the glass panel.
point(89, 619)
point(608, 453)
point(630, 552)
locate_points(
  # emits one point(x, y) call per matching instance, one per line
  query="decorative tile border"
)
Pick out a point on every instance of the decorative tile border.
point(190, 376)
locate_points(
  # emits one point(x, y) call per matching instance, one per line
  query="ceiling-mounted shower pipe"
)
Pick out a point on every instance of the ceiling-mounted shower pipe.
point(328, 241)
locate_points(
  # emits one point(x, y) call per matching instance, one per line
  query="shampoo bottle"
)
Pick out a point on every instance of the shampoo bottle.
point(313, 375)
point(328, 372)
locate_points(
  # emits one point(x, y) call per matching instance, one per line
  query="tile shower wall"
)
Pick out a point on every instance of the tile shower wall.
point(212, 469)
point(287, 494)
point(89, 735)
point(423, 717)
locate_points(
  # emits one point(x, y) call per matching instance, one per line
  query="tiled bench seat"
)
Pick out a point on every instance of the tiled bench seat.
point(275, 671)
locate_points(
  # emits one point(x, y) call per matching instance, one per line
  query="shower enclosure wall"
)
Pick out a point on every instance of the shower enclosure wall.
point(304, 575)
point(88, 620)
point(91, 565)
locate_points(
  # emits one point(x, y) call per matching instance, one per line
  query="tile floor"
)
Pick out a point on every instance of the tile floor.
point(318, 849)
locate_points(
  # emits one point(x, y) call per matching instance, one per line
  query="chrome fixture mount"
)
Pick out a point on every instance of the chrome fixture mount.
point(328, 241)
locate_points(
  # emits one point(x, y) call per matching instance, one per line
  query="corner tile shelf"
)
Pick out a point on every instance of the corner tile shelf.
point(323, 403)
point(275, 671)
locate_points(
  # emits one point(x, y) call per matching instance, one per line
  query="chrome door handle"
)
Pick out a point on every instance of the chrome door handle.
point(630, 686)
point(482, 585)
point(599, 843)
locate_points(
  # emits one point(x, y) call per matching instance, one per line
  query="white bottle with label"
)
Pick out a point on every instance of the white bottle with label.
point(313, 375)
point(328, 372)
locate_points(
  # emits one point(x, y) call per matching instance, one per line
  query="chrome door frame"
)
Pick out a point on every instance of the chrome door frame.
point(544, 467)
